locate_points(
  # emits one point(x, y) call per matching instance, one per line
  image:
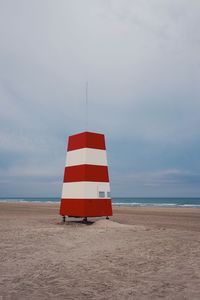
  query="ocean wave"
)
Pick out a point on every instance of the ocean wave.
point(123, 202)
point(127, 204)
point(12, 200)
point(191, 205)
point(156, 204)
point(143, 204)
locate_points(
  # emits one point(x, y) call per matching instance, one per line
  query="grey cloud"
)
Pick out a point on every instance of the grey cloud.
point(142, 62)
point(162, 183)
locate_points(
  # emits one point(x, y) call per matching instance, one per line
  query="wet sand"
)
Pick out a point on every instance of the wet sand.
point(140, 253)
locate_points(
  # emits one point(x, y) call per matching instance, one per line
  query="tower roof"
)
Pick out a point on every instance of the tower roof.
point(86, 140)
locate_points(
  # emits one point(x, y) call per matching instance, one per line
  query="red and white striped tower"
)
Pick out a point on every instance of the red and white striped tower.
point(86, 187)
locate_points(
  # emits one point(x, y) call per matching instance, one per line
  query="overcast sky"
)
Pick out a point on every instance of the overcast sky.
point(142, 61)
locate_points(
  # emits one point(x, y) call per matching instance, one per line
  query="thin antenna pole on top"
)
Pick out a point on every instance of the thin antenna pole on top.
point(86, 106)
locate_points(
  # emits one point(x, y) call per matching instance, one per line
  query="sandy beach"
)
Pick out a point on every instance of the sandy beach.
point(140, 253)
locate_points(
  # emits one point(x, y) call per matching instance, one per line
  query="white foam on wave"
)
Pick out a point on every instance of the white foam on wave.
point(191, 205)
point(144, 204)
point(156, 204)
point(127, 204)
point(11, 200)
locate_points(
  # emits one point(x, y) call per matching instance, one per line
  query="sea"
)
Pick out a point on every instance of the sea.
point(160, 202)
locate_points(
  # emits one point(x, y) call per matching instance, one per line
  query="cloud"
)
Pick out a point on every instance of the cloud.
point(161, 183)
point(142, 62)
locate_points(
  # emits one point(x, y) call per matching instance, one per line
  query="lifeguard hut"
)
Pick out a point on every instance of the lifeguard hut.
point(86, 187)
